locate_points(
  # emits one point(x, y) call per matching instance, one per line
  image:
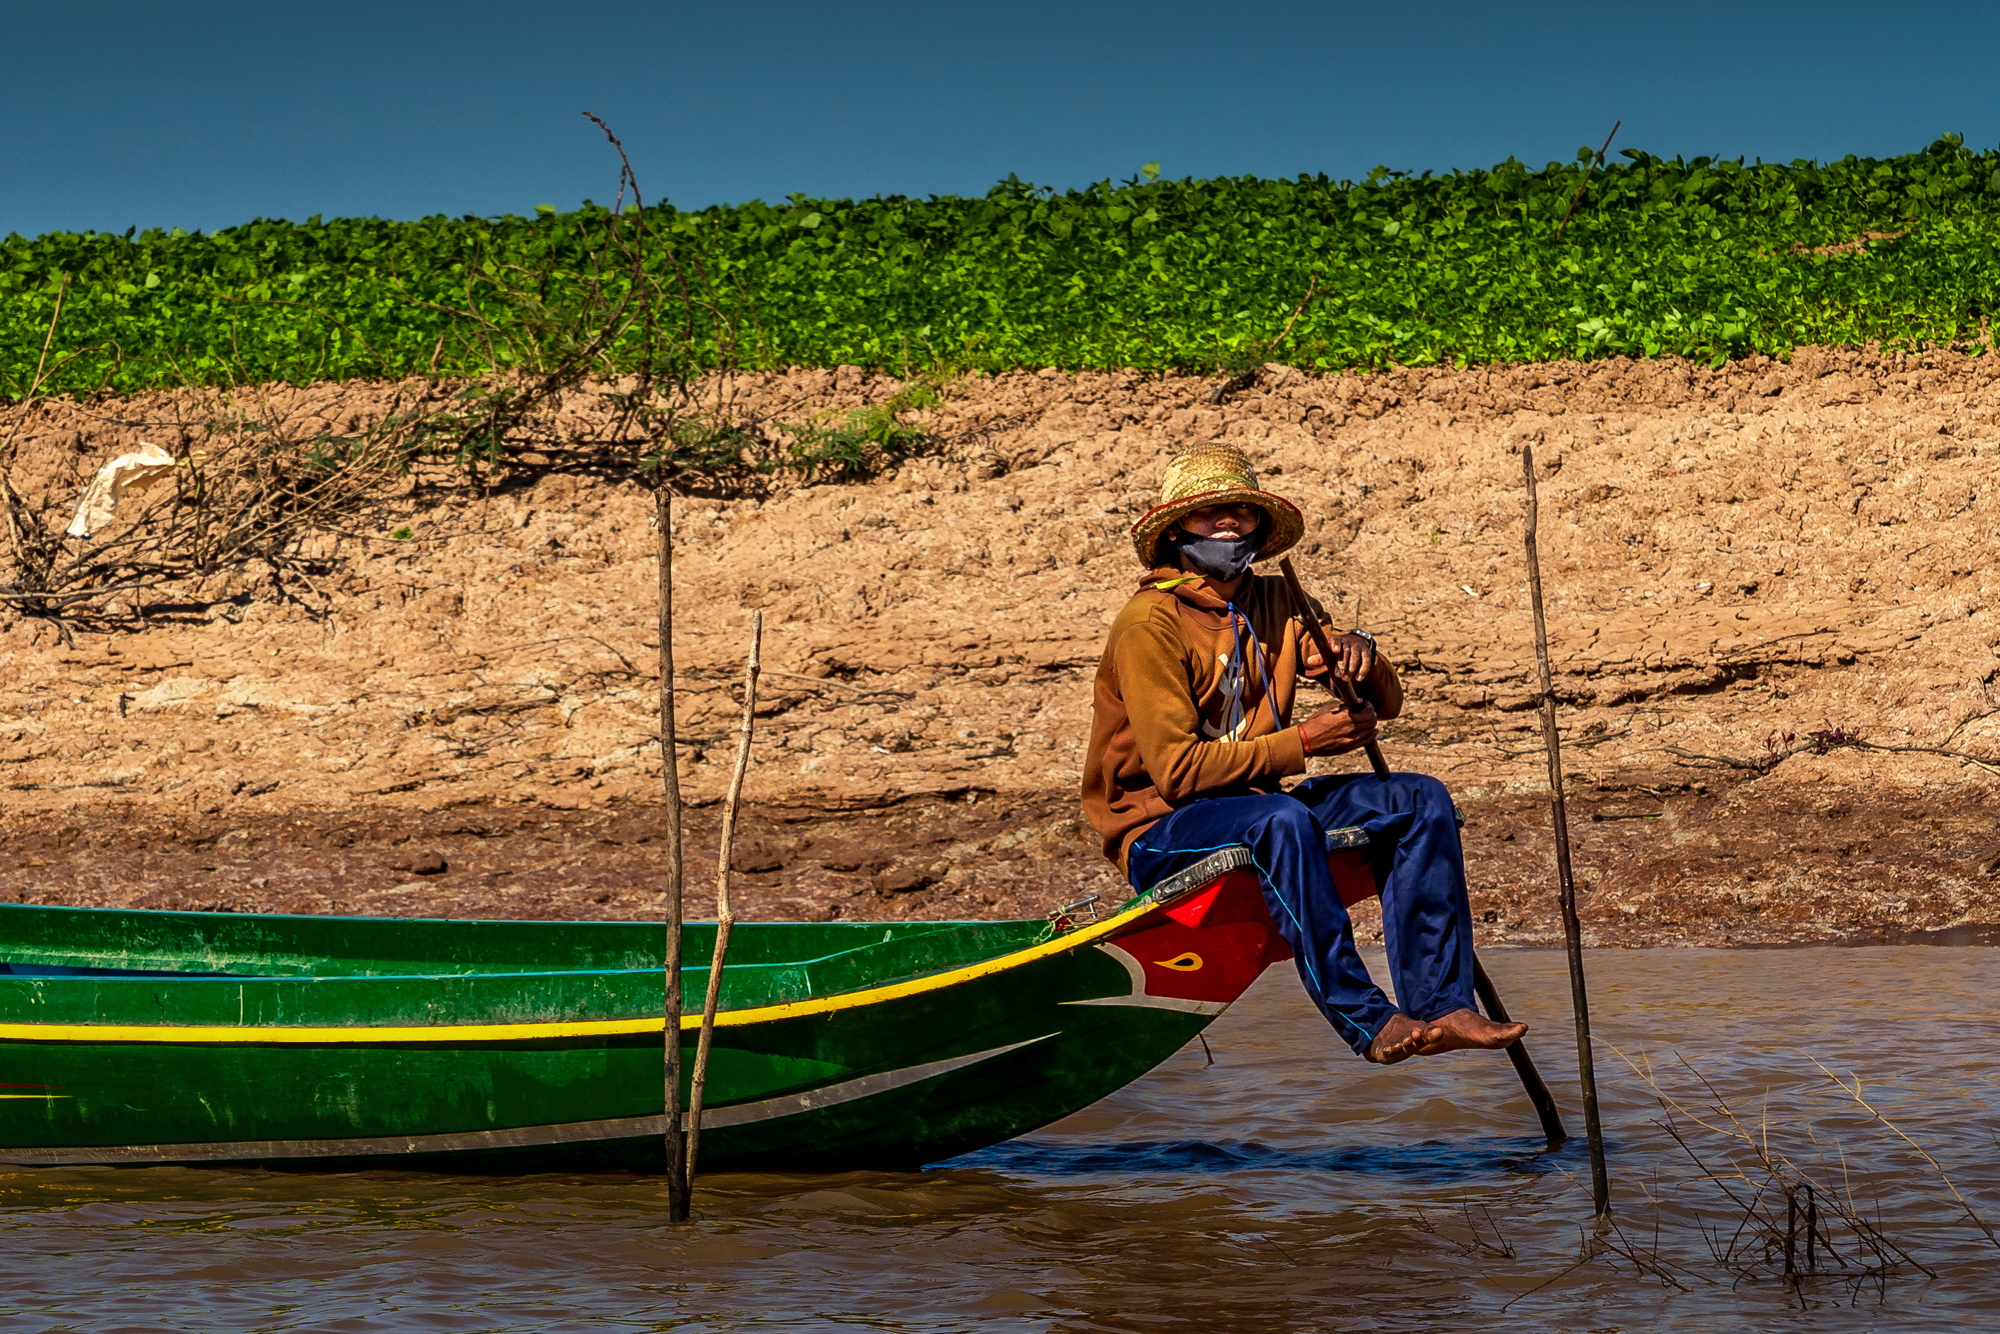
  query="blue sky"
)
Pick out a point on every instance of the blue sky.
point(209, 114)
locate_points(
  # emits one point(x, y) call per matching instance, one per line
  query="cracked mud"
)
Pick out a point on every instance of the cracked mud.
point(462, 723)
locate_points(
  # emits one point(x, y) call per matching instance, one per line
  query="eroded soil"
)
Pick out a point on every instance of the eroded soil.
point(1732, 558)
point(1654, 866)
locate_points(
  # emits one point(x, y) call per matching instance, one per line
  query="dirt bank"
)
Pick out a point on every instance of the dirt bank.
point(1732, 557)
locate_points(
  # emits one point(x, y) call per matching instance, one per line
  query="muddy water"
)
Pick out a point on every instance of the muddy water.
point(1285, 1187)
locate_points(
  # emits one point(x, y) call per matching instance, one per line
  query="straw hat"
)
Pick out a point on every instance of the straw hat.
point(1214, 475)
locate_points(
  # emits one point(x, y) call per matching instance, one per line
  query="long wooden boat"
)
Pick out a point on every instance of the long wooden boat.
point(131, 1037)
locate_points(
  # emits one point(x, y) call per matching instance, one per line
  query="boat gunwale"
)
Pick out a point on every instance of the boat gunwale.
point(384, 1035)
point(148, 976)
point(875, 993)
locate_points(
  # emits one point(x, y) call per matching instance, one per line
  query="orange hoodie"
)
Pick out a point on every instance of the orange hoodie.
point(1186, 704)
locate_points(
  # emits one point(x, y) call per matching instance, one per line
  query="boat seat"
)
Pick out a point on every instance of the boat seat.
point(1218, 864)
point(1351, 873)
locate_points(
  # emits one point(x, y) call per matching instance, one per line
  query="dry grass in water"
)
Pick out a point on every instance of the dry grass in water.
point(1790, 1200)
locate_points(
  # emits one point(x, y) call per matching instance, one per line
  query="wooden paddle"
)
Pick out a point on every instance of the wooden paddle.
point(1489, 998)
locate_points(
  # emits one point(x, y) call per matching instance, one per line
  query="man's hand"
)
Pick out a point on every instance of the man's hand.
point(1335, 731)
point(1354, 658)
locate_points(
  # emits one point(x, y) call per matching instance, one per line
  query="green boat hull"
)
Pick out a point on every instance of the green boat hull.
point(134, 1037)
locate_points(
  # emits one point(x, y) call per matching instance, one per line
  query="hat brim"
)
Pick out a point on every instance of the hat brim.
point(1287, 524)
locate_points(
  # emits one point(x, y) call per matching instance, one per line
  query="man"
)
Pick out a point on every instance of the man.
point(1192, 732)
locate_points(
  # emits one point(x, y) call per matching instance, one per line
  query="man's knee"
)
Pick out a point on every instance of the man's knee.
point(1423, 790)
point(1427, 799)
point(1289, 820)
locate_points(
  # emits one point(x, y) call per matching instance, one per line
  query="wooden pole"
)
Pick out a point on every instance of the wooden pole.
point(1302, 608)
point(724, 918)
point(1600, 1185)
point(1517, 1055)
point(670, 1036)
point(1595, 163)
point(1531, 1078)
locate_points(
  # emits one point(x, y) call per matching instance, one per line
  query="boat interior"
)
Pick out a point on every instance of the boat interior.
point(768, 962)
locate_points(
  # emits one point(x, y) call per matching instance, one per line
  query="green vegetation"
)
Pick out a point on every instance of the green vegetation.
point(1704, 258)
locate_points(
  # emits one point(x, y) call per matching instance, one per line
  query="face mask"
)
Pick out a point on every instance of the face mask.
point(1220, 558)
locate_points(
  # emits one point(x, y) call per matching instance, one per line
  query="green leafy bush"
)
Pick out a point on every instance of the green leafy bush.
point(858, 440)
point(1705, 258)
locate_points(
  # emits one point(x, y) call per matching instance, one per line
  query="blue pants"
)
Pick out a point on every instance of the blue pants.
point(1413, 843)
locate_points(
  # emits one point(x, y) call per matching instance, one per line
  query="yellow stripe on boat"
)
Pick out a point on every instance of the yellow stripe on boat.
point(583, 1028)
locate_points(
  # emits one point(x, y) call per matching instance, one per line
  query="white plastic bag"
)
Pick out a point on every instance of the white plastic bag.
point(127, 472)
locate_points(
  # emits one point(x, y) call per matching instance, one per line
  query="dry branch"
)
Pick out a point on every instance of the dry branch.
point(725, 918)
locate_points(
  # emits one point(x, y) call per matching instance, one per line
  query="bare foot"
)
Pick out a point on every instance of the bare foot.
point(1462, 1029)
point(1400, 1039)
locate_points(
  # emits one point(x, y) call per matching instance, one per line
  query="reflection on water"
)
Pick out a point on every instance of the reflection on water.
point(1431, 1162)
point(1286, 1187)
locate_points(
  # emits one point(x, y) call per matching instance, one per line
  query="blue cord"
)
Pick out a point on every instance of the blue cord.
point(1263, 665)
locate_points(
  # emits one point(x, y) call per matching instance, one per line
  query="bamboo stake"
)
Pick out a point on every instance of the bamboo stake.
point(724, 918)
point(670, 1035)
point(1600, 1186)
point(1517, 1055)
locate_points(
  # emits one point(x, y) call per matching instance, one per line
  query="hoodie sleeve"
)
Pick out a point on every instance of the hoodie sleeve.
point(1151, 665)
